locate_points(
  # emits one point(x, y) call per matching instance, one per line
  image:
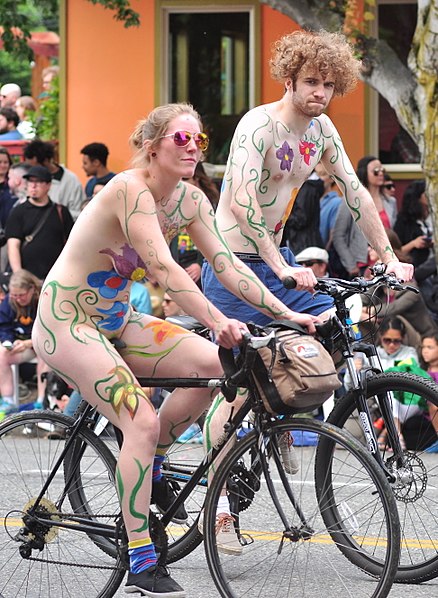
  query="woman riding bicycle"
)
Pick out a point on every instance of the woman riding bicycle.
point(87, 332)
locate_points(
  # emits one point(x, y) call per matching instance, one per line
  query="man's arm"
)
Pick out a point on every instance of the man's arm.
point(14, 254)
point(359, 200)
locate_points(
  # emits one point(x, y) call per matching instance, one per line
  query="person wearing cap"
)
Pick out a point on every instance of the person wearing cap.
point(36, 230)
point(9, 94)
point(315, 258)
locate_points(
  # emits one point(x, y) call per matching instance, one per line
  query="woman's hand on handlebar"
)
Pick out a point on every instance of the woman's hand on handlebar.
point(304, 277)
point(229, 332)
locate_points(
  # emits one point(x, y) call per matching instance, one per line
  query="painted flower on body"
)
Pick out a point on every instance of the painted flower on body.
point(126, 392)
point(286, 155)
point(108, 282)
point(128, 265)
point(115, 314)
point(163, 330)
point(307, 150)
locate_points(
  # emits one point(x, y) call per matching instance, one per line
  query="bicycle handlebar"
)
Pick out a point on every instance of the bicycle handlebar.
point(331, 286)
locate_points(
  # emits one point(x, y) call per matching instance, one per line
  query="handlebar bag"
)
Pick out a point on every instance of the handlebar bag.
point(294, 373)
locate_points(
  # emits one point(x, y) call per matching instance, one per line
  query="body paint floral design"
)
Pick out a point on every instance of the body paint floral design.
point(125, 392)
point(128, 265)
point(307, 150)
point(163, 330)
point(288, 210)
point(109, 283)
point(286, 155)
point(115, 314)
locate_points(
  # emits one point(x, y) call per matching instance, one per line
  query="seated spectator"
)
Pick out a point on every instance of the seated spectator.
point(414, 223)
point(66, 188)
point(94, 163)
point(392, 350)
point(315, 258)
point(8, 125)
point(25, 107)
point(17, 315)
point(9, 93)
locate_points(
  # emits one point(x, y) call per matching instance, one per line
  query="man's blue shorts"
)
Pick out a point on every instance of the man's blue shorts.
point(233, 307)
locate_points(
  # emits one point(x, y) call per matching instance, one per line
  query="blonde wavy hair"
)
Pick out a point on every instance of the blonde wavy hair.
point(24, 280)
point(148, 131)
point(328, 53)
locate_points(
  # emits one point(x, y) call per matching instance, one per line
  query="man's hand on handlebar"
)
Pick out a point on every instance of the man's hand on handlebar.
point(305, 320)
point(402, 271)
point(304, 277)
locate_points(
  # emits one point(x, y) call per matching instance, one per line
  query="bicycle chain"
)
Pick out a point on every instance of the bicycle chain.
point(84, 566)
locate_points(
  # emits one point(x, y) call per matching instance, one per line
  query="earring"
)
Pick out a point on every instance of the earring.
point(154, 155)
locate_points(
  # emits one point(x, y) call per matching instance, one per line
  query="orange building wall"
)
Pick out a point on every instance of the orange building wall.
point(109, 80)
point(347, 113)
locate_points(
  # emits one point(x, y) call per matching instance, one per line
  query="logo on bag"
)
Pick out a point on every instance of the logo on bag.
point(306, 351)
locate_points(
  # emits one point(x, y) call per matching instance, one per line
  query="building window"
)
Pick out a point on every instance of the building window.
point(208, 63)
point(396, 23)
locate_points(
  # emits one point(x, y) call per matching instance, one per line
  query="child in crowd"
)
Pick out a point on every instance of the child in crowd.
point(429, 360)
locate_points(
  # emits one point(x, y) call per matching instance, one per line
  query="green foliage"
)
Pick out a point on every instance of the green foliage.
point(123, 10)
point(42, 14)
point(47, 117)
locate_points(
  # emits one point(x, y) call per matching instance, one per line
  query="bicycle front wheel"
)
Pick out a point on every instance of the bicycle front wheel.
point(416, 478)
point(286, 547)
point(43, 550)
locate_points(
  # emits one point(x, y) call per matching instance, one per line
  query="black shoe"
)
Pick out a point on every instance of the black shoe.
point(163, 495)
point(155, 582)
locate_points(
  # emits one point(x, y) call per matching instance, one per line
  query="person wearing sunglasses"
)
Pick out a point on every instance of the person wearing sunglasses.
point(372, 174)
point(87, 331)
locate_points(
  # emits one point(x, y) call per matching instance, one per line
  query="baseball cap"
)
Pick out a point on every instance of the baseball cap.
point(38, 172)
point(312, 254)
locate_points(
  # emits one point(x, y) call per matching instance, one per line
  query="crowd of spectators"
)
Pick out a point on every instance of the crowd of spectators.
point(40, 199)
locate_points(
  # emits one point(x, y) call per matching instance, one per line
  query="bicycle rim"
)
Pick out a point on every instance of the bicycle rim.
point(416, 483)
point(57, 561)
point(302, 558)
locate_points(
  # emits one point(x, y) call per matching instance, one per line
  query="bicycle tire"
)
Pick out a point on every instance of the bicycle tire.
point(275, 562)
point(414, 494)
point(68, 561)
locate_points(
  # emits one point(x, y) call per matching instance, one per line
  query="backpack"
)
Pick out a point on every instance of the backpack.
point(294, 373)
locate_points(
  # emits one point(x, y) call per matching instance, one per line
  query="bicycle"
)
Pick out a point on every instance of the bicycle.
point(413, 474)
point(62, 527)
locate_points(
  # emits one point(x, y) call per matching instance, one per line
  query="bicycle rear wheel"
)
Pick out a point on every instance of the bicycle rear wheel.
point(300, 555)
point(42, 558)
point(416, 480)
